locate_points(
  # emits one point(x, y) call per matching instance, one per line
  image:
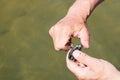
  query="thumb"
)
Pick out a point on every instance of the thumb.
point(84, 36)
point(85, 59)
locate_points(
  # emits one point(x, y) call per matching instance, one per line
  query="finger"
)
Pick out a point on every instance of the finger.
point(86, 59)
point(78, 70)
point(70, 63)
point(84, 37)
point(62, 39)
point(72, 66)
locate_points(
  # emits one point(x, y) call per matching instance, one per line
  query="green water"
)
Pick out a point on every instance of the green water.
point(26, 49)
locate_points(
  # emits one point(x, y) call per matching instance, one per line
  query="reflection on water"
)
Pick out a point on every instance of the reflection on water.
point(26, 49)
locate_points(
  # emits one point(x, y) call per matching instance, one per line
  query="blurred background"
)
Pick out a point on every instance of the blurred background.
point(26, 49)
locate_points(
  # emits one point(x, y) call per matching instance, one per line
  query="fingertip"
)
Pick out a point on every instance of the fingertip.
point(57, 49)
point(79, 56)
point(60, 47)
point(76, 54)
point(84, 58)
point(85, 44)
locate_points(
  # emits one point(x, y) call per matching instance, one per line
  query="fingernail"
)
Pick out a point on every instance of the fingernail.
point(76, 54)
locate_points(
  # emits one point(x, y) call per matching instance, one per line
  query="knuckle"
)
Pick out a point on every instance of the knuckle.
point(50, 33)
point(58, 28)
point(51, 30)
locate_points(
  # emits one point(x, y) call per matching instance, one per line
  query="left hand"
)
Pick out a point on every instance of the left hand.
point(65, 29)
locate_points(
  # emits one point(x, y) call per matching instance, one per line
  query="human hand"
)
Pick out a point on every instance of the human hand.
point(73, 24)
point(65, 29)
point(89, 68)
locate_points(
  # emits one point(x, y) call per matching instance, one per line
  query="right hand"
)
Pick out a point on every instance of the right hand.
point(89, 68)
